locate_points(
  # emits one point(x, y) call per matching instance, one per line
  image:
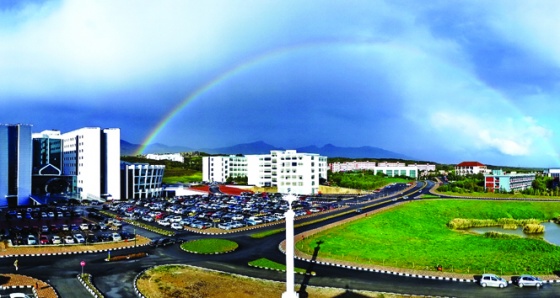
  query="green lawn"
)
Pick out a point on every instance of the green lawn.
point(415, 235)
point(195, 177)
point(496, 195)
point(266, 263)
point(210, 246)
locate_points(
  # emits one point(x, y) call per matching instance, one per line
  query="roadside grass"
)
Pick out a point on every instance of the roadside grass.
point(264, 262)
point(425, 196)
point(416, 236)
point(186, 281)
point(496, 195)
point(209, 246)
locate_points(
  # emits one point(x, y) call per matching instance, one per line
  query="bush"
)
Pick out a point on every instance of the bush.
point(498, 235)
point(128, 257)
point(533, 229)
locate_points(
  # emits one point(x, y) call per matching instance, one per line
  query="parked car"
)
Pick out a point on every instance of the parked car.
point(176, 226)
point(31, 240)
point(56, 239)
point(492, 280)
point(69, 240)
point(116, 237)
point(79, 238)
point(84, 226)
point(44, 239)
point(529, 281)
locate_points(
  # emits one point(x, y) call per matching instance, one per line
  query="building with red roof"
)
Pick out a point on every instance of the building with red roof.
point(470, 168)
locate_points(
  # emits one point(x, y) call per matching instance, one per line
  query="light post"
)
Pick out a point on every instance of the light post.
point(290, 293)
point(83, 264)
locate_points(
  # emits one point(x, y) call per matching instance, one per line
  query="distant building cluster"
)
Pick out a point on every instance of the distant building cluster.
point(167, 156)
point(290, 171)
point(390, 169)
point(36, 168)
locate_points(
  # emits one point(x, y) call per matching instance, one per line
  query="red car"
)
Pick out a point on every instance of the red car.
point(44, 239)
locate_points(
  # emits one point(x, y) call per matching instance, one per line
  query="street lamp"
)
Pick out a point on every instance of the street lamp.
point(290, 293)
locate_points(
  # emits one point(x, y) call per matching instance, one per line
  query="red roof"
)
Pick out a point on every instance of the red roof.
point(228, 190)
point(470, 164)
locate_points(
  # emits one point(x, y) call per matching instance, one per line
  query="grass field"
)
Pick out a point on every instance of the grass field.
point(415, 235)
point(194, 177)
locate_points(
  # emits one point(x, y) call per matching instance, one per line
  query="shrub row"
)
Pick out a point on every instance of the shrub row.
point(466, 223)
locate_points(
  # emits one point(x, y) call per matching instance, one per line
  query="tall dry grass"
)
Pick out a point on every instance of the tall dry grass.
point(467, 223)
point(533, 229)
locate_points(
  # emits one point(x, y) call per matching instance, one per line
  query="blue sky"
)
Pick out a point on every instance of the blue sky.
point(445, 81)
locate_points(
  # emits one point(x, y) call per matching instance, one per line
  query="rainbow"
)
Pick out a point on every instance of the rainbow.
point(242, 66)
point(277, 52)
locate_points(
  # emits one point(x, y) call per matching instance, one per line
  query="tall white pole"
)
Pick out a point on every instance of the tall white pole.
point(290, 293)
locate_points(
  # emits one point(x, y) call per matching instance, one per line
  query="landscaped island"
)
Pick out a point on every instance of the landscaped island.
point(416, 235)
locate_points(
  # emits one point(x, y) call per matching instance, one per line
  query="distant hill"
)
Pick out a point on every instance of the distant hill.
point(260, 147)
point(330, 150)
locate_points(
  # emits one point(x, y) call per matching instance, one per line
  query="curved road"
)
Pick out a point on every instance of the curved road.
point(115, 280)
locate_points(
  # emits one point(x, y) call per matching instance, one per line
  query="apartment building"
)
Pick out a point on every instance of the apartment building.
point(92, 155)
point(15, 164)
point(289, 171)
point(141, 180)
point(500, 181)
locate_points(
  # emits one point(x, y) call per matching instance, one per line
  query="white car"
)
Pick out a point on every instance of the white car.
point(68, 240)
point(176, 226)
point(492, 280)
point(163, 222)
point(84, 226)
point(116, 237)
point(31, 240)
point(56, 239)
point(529, 281)
point(79, 238)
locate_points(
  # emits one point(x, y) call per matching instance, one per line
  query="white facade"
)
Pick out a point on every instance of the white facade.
point(92, 154)
point(168, 156)
point(219, 168)
point(288, 170)
point(390, 169)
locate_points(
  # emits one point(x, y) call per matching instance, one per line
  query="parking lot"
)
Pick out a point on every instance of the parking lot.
point(57, 225)
point(224, 212)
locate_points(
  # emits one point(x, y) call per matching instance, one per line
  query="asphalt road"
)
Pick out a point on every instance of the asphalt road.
point(115, 280)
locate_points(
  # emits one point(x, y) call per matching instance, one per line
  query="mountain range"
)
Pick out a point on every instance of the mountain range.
point(260, 147)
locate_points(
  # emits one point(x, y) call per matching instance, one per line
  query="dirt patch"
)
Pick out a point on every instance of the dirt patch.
point(52, 249)
point(15, 280)
point(185, 281)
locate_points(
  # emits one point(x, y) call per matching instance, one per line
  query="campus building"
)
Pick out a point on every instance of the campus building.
point(390, 169)
point(167, 156)
point(48, 180)
point(288, 170)
point(141, 180)
point(500, 181)
point(92, 155)
point(470, 168)
point(15, 164)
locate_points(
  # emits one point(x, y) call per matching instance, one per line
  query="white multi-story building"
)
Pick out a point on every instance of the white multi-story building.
point(167, 156)
point(470, 168)
point(288, 170)
point(388, 168)
point(92, 154)
point(15, 164)
point(219, 168)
